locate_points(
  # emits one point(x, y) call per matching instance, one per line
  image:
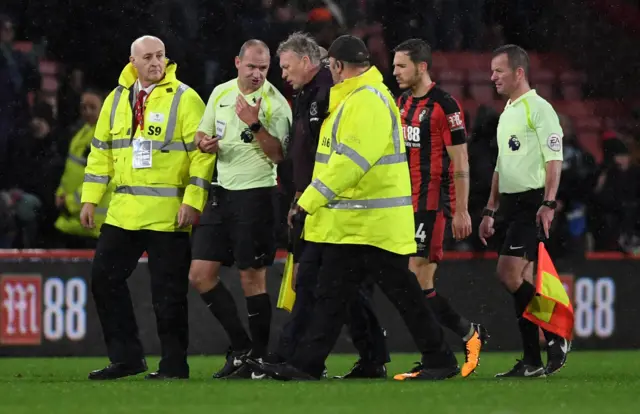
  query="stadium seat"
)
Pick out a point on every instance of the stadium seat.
point(590, 142)
point(480, 86)
point(48, 67)
point(452, 81)
point(49, 84)
point(588, 124)
point(571, 84)
point(23, 46)
point(543, 80)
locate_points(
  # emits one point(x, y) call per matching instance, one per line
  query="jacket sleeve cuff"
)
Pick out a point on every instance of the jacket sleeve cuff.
point(93, 192)
point(311, 200)
point(195, 197)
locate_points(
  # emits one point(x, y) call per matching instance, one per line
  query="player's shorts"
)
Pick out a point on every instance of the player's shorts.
point(237, 226)
point(430, 226)
point(519, 212)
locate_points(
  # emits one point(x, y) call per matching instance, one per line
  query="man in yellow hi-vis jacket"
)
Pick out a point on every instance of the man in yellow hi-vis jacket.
point(69, 192)
point(144, 144)
point(360, 213)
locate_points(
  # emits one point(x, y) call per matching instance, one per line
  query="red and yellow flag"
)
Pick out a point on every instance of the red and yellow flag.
point(550, 308)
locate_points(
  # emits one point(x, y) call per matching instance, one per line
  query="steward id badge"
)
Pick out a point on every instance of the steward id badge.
point(142, 153)
point(221, 126)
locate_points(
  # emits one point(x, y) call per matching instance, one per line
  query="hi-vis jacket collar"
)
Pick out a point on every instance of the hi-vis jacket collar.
point(340, 91)
point(129, 74)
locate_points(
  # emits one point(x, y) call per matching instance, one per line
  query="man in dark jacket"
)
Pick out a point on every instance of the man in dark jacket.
point(305, 69)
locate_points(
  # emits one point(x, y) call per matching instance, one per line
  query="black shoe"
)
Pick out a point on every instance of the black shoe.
point(282, 371)
point(235, 359)
point(362, 370)
point(419, 372)
point(557, 351)
point(164, 376)
point(247, 372)
point(522, 370)
point(118, 370)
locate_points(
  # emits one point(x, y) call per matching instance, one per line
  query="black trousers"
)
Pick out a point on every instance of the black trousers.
point(344, 268)
point(366, 333)
point(116, 257)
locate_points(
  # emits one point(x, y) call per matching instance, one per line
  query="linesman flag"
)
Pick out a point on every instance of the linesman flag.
point(287, 295)
point(550, 308)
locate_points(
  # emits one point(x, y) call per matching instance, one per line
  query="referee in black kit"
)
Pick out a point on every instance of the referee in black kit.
point(305, 69)
point(524, 187)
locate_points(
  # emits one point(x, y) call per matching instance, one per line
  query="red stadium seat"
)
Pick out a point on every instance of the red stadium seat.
point(588, 124)
point(590, 142)
point(49, 84)
point(452, 81)
point(48, 67)
point(571, 84)
point(480, 86)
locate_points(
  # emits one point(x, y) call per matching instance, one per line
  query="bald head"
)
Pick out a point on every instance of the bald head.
point(141, 45)
point(148, 57)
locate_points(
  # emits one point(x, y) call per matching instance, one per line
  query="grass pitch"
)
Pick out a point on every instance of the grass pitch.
point(592, 382)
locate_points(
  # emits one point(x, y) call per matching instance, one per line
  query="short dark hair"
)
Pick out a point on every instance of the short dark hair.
point(517, 57)
point(417, 49)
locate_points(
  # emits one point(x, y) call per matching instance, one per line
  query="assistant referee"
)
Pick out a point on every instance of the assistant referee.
point(524, 186)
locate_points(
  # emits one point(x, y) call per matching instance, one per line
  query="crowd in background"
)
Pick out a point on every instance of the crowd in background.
point(598, 200)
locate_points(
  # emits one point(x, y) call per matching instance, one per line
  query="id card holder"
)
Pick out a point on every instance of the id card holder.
point(221, 126)
point(142, 157)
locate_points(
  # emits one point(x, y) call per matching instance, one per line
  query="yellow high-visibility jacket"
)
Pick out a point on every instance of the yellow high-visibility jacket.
point(149, 198)
point(361, 189)
point(71, 186)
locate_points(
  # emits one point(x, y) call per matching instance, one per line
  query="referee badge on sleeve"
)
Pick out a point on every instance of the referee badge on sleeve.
point(554, 142)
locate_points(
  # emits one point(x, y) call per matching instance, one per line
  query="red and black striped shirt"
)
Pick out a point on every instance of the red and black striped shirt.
point(430, 124)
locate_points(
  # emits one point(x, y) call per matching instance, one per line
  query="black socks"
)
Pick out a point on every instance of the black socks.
point(223, 307)
point(528, 330)
point(259, 310)
point(447, 315)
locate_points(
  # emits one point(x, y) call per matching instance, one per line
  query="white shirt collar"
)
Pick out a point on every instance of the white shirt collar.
point(139, 87)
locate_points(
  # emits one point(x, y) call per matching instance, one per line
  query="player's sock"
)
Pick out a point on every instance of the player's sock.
point(223, 307)
point(528, 330)
point(530, 343)
point(259, 309)
point(447, 315)
point(523, 296)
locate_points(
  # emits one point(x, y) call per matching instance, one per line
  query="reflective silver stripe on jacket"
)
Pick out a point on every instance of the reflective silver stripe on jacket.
point(369, 204)
point(172, 121)
point(323, 189)
point(173, 115)
point(156, 145)
point(199, 182)
point(100, 179)
point(78, 160)
point(114, 106)
point(150, 191)
point(343, 149)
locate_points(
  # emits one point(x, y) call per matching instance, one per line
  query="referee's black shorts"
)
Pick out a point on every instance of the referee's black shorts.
point(519, 212)
point(237, 226)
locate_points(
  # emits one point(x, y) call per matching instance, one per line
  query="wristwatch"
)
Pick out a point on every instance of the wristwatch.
point(488, 212)
point(552, 204)
point(255, 127)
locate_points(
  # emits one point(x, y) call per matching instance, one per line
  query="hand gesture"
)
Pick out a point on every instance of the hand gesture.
point(247, 113)
point(544, 217)
point(461, 225)
point(486, 229)
point(209, 144)
point(187, 215)
point(86, 215)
